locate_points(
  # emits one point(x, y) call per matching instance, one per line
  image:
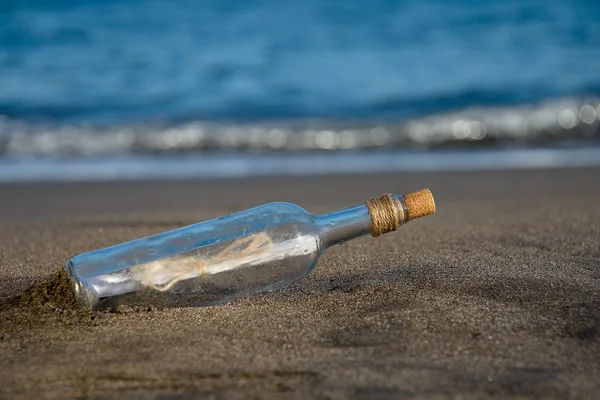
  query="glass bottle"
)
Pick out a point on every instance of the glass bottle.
point(211, 262)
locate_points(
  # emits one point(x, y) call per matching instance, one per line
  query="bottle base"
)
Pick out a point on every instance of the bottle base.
point(86, 296)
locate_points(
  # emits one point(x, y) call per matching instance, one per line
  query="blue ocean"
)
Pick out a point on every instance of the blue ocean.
point(94, 89)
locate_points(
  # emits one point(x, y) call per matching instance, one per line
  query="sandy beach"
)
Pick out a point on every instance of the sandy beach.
point(495, 296)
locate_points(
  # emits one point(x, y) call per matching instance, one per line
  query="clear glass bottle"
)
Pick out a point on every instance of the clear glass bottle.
point(257, 250)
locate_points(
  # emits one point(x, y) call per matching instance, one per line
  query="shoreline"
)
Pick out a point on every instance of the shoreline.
point(227, 165)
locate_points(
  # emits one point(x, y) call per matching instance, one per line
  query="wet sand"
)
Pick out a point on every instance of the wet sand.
point(496, 295)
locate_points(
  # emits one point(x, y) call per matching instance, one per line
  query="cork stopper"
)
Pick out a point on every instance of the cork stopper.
point(388, 212)
point(419, 204)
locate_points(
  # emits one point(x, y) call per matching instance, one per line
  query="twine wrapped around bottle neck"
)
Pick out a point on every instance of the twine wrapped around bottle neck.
point(387, 214)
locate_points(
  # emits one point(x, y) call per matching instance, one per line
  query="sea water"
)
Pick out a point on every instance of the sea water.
point(148, 83)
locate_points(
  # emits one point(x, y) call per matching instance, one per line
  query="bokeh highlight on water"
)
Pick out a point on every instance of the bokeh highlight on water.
point(105, 78)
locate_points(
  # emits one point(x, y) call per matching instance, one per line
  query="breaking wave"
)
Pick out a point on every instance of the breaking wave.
point(558, 122)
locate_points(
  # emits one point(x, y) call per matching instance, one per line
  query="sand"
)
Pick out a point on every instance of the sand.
point(495, 296)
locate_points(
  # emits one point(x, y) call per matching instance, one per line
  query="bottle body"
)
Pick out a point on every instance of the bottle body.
point(256, 250)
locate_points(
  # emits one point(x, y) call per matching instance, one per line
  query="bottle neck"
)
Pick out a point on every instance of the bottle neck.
point(340, 226)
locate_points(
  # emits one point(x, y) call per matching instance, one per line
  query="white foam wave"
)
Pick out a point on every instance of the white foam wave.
point(563, 120)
